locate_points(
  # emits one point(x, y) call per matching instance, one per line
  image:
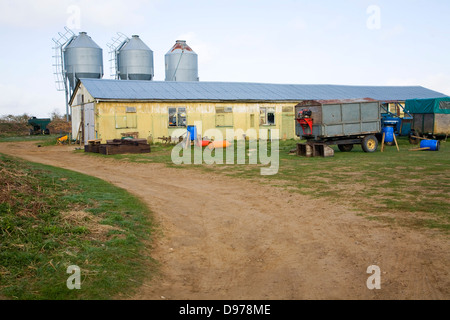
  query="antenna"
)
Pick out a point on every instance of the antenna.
point(114, 46)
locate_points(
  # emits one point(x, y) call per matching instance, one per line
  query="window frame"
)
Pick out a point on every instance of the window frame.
point(223, 111)
point(177, 117)
point(264, 110)
point(444, 105)
point(126, 117)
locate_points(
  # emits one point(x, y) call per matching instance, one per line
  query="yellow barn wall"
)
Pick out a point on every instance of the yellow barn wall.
point(152, 117)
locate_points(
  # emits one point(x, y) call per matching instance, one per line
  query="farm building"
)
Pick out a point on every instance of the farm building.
point(109, 109)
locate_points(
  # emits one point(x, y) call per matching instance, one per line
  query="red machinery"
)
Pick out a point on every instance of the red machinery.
point(305, 120)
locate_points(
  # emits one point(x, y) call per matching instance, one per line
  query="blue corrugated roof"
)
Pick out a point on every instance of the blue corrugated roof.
point(200, 90)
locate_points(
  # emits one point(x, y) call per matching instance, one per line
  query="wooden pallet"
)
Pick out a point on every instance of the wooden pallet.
point(119, 146)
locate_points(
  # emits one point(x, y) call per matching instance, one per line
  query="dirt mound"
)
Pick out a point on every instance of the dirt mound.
point(59, 127)
point(14, 125)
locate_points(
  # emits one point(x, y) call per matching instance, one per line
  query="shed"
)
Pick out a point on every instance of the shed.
point(107, 109)
point(430, 116)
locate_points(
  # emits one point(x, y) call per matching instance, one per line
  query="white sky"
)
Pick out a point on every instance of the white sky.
point(354, 42)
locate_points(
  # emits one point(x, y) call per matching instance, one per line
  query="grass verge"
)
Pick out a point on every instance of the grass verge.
point(48, 139)
point(52, 218)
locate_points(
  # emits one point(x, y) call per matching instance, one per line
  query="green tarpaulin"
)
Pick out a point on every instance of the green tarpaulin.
point(438, 105)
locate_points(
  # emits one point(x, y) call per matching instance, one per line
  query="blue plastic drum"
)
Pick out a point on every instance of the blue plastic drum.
point(434, 145)
point(192, 132)
point(388, 134)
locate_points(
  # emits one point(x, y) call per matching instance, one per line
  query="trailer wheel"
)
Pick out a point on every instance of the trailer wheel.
point(369, 143)
point(345, 147)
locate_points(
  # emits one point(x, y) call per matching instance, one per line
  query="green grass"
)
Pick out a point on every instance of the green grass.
point(51, 218)
point(160, 153)
point(46, 139)
point(413, 187)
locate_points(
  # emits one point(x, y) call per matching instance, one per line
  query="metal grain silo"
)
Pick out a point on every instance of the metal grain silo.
point(135, 60)
point(181, 63)
point(83, 58)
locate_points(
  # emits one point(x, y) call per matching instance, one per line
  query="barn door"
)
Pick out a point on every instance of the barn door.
point(89, 122)
point(287, 123)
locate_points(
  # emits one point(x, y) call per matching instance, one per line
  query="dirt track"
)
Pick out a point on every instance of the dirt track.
point(226, 238)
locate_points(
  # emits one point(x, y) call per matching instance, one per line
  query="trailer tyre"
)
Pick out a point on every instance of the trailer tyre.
point(369, 144)
point(345, 147)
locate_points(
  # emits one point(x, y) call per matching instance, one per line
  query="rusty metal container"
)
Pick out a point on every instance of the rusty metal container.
point(339, 118)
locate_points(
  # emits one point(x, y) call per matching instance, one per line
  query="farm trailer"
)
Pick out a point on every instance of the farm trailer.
point(39, 125)
point(337, 122)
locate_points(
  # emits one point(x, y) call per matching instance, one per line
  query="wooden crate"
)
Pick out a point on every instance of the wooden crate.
point(119, 146)
point(115, 147)
point(314, 150)
point(304, 150)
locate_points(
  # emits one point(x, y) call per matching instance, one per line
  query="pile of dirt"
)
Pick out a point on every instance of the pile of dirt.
point(13, 125)
point(59, 126)
point(13, 129)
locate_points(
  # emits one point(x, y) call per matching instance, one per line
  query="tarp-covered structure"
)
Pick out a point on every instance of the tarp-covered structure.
point(422, 106)
point(430, 116)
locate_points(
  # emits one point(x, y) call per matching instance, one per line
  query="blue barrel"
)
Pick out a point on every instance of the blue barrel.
point(192, 132)
point(388, 134)
point(434, 145)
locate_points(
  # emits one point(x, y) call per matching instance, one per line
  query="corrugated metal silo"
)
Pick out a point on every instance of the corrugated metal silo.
point(83, 58)
point(135, 60)
point(181, 63)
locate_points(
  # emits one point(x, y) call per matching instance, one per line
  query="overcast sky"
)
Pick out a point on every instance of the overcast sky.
point(354, 42)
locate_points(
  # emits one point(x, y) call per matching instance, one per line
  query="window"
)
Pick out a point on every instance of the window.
point(224, 116)
point(267, 116)
point(444, 105)
point(252, 121)
point(80, 99)
point(126, 117)
point(177, 117)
